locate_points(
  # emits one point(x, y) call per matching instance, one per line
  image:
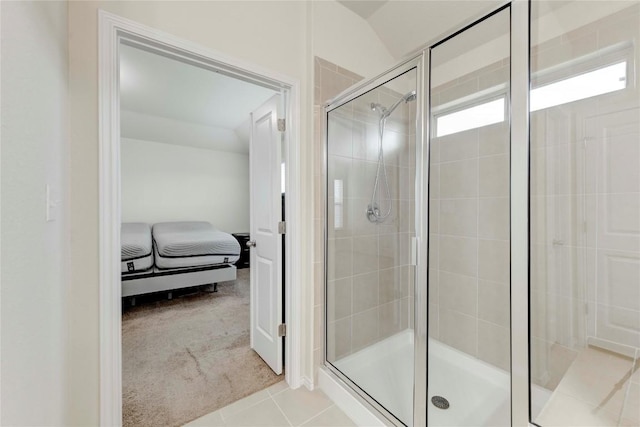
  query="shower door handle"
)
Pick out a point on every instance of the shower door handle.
point(251, 243)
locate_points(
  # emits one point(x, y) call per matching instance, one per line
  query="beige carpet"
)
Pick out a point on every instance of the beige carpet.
point(189, 356)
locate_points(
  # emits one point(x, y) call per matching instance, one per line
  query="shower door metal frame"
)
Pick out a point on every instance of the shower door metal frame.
point(519, 180)
point(519, 176)
point(416, 62)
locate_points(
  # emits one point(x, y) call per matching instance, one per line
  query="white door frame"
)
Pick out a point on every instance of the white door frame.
point(111, 30)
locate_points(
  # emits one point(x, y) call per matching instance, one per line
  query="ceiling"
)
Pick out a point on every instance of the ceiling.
point(406, 25)
point(364, 8)
point(170, 101)
point(166, 100)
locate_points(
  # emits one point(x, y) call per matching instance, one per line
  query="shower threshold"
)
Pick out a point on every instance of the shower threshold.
point(477, 392)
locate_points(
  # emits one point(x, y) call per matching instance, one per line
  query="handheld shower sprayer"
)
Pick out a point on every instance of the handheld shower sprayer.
point(375, 213)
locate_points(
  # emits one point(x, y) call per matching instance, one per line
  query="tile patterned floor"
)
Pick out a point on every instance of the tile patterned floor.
point(599, 389)
point(278, 406)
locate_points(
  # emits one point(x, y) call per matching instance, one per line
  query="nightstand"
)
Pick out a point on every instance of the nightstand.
point(245, 251)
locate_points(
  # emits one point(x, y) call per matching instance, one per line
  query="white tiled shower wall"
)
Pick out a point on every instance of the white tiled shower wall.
point(469, 224)
point(370, 285)
point(329, 81)
point(370, 282)
point(469, 245)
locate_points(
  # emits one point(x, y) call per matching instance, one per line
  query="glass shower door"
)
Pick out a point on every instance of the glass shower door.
point(469, 233)
point(585, 213)
point(370, 227)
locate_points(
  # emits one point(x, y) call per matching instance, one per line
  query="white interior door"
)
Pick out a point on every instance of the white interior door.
point(266, 213)
point(615, 302)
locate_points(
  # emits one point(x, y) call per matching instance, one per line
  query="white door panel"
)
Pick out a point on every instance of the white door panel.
point(614, 312)
point(264, 314)
point(266, 265)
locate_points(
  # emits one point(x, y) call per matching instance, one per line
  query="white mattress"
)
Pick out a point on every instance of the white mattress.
point(191, 244)
point(137, 265)
point(136, 247)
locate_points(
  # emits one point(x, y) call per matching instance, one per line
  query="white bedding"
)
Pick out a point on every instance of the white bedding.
point(165, 263)
point(190, 244)
point(136, 247)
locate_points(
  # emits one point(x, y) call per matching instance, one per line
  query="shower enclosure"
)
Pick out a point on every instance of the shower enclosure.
point(483, 224)
point(370, 274)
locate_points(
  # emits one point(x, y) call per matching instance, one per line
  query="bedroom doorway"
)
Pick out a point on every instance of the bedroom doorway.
point(150, 149)
point(200, 169)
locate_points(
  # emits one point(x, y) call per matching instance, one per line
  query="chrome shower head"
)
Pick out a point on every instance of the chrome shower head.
point(411, 96)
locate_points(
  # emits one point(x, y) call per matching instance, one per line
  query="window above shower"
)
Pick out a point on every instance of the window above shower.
point(483, 114)
point(481, 100)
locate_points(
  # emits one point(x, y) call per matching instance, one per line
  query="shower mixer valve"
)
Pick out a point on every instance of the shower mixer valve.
point(373, 212)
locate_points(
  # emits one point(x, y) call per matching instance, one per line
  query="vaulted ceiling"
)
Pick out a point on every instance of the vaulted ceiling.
point(165, 100)
point(406, 25)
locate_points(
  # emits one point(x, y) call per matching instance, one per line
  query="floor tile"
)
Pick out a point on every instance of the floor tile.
point(213, 419)
point(263, 414)
point(243, 404)
point(595, 390)
point(635, 378)
point(301, 405)
point(278, 388)
point(332, 417)
point(565, 410)
point(631, 411)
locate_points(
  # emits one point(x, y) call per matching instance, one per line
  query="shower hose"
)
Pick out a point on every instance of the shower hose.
point(374, 212)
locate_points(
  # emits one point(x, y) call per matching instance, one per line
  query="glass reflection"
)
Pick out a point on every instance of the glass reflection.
point(585, 213)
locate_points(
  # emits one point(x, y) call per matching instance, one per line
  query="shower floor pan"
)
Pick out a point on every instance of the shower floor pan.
point(477, 393)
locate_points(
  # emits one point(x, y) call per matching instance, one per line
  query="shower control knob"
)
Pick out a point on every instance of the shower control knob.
point(251, 243)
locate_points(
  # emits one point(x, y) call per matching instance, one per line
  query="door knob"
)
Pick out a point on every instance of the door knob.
point(251, 243)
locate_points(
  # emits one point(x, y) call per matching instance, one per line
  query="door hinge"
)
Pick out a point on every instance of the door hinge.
point(282, 227)
point(282, 125)
point(282, 330)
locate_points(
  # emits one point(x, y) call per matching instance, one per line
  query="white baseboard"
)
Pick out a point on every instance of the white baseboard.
point(344, 399)
point(308, 383)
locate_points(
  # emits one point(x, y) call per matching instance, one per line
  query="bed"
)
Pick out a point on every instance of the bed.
point(137, 251)
point(184, 254)
point(192, 244)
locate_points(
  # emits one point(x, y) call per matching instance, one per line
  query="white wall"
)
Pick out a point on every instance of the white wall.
point(164, 182)
point(344, 38)
point(276, 35)
point(269, 33)
point(35, 253)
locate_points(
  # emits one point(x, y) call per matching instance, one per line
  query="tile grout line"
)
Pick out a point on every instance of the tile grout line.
point(318, 414)
point(243, 409)
point(269, 396)
point(282, 411)
point(278, 392)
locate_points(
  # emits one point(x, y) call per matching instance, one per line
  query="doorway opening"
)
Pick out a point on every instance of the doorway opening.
point(147, 140)
point(195, 184)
